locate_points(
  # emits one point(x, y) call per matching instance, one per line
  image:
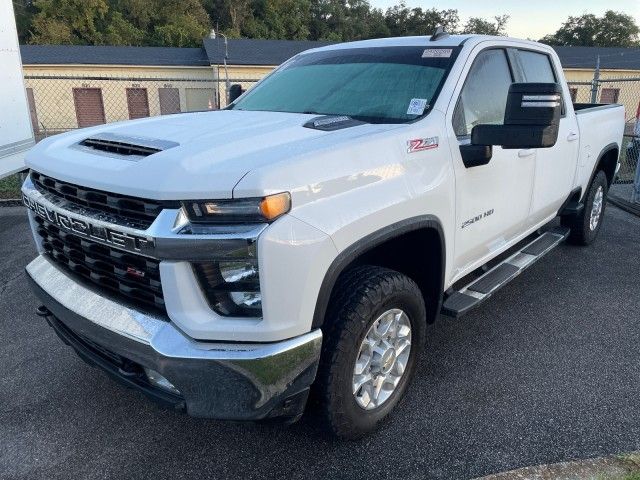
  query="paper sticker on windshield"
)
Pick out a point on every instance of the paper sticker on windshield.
point(417, 106)
point(437, 53)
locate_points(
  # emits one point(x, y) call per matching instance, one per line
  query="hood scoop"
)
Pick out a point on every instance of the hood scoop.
point(126, 146)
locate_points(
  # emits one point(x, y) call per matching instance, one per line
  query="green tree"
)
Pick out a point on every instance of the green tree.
point(402, 20)
point(24, 12)
point(279, 19)
point(69, 21)
point(613, 29)
point(481, 26)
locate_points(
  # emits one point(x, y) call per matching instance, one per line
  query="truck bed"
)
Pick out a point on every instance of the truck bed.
point(583, 107)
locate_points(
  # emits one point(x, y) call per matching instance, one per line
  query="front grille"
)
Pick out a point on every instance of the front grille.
point(127, 275)
point(142, 211)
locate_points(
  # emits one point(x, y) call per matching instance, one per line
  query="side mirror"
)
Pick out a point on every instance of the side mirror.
point(531, 119)
point(476, 155)
point(235, 91)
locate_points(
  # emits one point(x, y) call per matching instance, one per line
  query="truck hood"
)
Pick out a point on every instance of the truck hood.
point(203, 155)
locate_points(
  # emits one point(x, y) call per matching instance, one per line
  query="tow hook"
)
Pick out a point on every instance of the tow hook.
point(42, 311)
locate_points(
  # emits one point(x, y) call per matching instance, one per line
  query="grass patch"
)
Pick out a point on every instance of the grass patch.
point(10, 187)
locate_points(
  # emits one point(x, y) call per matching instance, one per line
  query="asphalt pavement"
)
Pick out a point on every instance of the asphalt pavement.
point(546, 371)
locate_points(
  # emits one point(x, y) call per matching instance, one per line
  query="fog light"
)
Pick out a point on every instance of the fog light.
point(159, 381)
point(251, 300)
point(245, 271)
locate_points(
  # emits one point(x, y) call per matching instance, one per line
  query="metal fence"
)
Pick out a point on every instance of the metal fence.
point(59, 103)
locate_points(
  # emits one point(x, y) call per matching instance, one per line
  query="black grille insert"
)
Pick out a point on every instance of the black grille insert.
point(130, 276)
point(142, 212)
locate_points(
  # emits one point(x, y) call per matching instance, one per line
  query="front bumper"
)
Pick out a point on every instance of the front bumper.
point(232, 381)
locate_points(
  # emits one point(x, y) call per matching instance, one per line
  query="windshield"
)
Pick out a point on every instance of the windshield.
point(379, 85)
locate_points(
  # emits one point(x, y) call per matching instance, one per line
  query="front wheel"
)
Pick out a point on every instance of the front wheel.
point(376, 331)
point(586, 225)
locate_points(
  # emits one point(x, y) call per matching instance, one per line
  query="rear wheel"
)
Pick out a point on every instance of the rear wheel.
point(376, 331)
point(586, 225)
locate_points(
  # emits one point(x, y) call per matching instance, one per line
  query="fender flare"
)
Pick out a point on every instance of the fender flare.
point(371, 241)
point(603, 152)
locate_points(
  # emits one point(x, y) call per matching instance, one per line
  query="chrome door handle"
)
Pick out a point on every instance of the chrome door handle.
point(526, 153)
point(572, 137)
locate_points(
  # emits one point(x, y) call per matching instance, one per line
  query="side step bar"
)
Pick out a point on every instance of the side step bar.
point(460, 302)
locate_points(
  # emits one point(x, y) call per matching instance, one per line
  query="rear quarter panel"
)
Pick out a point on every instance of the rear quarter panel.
point(600, 129)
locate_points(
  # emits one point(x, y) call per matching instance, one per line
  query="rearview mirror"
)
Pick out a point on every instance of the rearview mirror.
point(531, 118)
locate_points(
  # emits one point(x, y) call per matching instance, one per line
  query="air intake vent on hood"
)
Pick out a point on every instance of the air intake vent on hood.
point(126, 146)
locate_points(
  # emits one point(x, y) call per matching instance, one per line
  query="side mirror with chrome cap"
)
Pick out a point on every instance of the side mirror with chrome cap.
point(532, 118)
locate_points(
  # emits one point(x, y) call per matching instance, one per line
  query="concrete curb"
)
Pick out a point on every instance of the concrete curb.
point(615, 467)
point(12, 202)
point(633, 208)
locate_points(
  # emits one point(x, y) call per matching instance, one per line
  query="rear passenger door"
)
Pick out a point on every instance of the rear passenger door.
point(493, 200)
point(555, 166)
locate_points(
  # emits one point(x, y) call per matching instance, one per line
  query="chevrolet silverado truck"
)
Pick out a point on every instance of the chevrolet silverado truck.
point(294, 246)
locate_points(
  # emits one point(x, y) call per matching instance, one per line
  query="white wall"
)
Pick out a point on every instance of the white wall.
point(16, 135)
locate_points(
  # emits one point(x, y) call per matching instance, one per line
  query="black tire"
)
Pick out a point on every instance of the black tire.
point(581, 231)
point(361, 296)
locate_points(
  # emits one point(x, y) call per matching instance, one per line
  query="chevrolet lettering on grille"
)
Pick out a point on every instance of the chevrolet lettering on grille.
point(81, 227)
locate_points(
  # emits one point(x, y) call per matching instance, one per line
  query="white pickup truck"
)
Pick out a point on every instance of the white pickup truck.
point(229, 263)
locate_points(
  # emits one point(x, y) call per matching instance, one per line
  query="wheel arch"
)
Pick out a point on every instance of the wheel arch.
point(382, 248)
point(607, 162)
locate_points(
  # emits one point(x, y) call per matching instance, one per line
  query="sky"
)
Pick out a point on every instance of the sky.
point(529, 19)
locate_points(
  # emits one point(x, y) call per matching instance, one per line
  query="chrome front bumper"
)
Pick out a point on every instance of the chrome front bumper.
point(233, 381)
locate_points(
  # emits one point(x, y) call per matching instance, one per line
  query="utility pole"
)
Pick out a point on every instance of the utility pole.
point(227, 82)
point(595, 83)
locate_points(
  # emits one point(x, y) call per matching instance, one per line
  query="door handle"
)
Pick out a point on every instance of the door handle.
point(572, 137)
point(526, 153)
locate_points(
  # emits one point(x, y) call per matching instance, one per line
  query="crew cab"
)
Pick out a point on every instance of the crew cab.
point(295, 246)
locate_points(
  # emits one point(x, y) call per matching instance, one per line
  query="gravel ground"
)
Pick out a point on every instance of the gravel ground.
point(546, 371)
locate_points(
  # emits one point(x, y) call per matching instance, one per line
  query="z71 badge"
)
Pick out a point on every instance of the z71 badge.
point(421, 144)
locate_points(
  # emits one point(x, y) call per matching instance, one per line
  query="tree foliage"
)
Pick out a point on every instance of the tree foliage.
point(480, 26)
point(613, 29)
point(185, 22)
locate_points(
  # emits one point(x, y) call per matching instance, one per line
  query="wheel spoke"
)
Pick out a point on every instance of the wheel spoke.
point(361, 382)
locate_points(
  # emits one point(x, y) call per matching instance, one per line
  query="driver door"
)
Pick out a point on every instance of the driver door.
point(493, 201)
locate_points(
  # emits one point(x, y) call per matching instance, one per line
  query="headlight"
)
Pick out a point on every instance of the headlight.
point(232, 285)
point(245, 210)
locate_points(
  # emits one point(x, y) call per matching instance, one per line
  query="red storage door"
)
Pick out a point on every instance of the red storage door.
point(137, 102)
point(89, 106)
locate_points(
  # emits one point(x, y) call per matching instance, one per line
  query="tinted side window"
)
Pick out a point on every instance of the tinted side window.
point(537, 67)
point(483, 99)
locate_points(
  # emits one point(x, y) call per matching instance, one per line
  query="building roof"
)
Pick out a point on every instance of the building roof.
point(245, 51)
point(266, 53)
point(613, 58)
point(109, 55)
